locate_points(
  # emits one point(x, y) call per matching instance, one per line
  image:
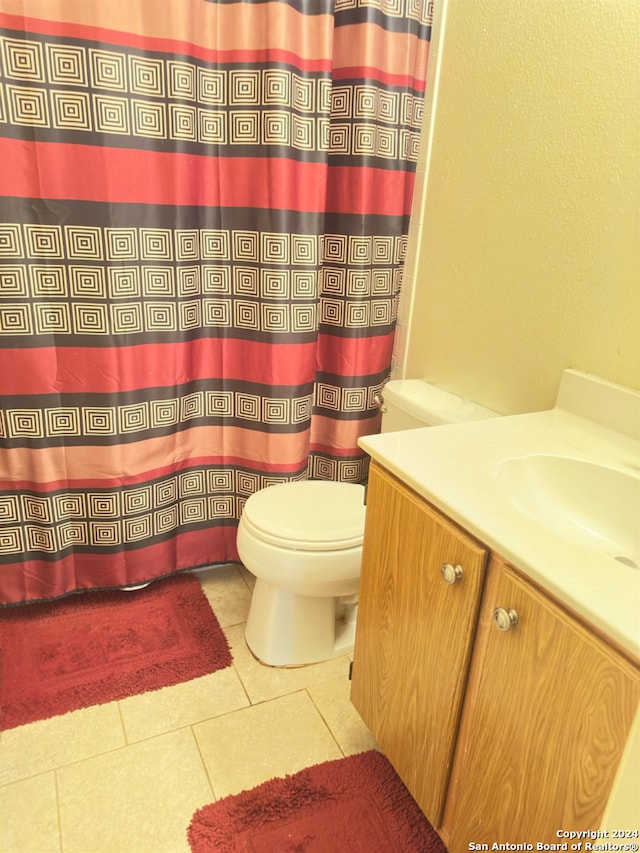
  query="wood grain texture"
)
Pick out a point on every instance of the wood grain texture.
point(414, 635)
point(549, 709)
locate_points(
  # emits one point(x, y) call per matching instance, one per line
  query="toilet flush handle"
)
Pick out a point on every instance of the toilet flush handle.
point(378, 399)
point(451, 574)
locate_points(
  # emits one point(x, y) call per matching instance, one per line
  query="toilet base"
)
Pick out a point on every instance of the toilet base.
point(284, 629)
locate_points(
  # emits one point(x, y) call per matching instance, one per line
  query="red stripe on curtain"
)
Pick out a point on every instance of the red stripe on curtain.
point(185, 179)
point(305, 46)
point(38, 170)
point(368, 51)
point(369, 190)
point(352, 359)
point(51, 486)
point(49, 369)
point(254, 448)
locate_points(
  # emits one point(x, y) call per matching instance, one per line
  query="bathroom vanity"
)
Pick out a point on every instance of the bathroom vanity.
point(497, 653)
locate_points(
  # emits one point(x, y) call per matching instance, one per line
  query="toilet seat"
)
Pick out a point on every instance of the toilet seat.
point(310, 515)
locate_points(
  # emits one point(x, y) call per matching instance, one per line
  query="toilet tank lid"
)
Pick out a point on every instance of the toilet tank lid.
point(431, 404)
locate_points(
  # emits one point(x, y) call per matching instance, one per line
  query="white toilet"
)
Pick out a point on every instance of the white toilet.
point(303, 542)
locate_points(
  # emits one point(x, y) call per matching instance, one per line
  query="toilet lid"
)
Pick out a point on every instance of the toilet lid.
point(312, 515)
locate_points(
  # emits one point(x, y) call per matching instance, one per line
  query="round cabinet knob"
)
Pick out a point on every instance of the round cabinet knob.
point(503, 619)
point(451, 574)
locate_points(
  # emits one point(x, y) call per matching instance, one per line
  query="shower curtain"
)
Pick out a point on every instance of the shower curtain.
point(203, 216)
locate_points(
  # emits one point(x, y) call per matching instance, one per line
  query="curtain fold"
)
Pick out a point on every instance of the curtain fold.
point(203, 218)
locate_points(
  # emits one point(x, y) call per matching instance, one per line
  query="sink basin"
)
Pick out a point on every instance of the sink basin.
point(585, 503)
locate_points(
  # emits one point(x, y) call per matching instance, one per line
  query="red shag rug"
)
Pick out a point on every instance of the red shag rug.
point(356, 804)
point(96, 647)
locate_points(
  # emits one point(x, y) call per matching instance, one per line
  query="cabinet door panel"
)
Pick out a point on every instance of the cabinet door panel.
point(414, 635)
point(548, 718)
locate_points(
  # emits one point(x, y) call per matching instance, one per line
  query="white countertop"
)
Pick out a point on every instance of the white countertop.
point(455, 468)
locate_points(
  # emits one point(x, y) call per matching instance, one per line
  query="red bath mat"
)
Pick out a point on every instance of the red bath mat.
point(96, 647)
point(356, 804)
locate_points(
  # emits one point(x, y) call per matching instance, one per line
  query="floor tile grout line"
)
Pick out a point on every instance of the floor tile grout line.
point(251, 705)
point(55, 768)
point(127, 742)
point(190, 725)
point(204, 765)
point(131, 743)
point(242, 684)
point(122, 723)
point(58, 809)
point(122, 747)
point(325, 721)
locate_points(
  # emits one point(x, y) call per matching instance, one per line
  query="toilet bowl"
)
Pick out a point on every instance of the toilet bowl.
point(303, 543)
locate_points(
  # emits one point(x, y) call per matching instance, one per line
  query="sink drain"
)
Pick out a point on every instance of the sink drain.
point(626, 561)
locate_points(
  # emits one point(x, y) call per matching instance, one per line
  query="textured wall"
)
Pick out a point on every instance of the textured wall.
point(526, 245)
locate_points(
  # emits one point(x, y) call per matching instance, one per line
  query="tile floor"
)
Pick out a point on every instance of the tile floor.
point(126, 777)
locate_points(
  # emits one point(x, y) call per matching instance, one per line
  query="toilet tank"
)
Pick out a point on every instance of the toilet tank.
point(413, 403)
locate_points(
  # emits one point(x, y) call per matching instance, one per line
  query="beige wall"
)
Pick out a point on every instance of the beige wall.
point(524, 251)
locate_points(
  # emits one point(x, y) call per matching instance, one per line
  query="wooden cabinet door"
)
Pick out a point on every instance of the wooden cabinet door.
point(549, 708)
point(414, 635)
